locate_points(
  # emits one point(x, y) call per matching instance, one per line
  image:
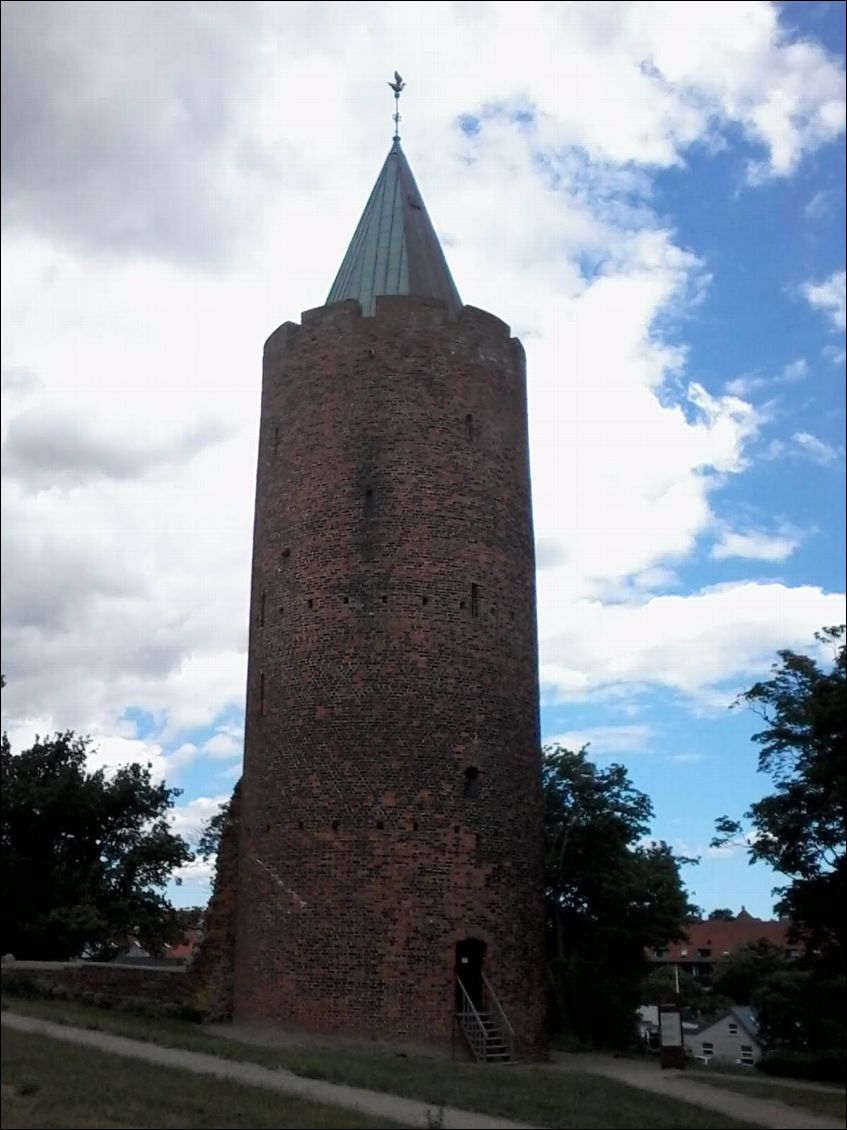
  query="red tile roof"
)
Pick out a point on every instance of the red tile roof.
point(722, 937)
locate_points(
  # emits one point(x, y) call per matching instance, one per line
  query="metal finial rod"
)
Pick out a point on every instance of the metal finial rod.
point(397, 87)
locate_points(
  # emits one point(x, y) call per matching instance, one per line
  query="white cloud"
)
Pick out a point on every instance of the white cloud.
point(829, 296)
point(796, 370)
point(744, 385)
point(816, 449)
point(605, 739)
point(188, 820)
point(226, 742)
point(820, 204)
point(704, 645)
point(167, 208)
point(755, 545)
point(197, 876)
point(835, 354)
point(803, 445)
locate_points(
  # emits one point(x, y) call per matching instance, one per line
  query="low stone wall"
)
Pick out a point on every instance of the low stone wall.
point(90, 980)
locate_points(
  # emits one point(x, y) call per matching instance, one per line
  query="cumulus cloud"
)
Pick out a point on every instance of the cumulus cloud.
point(703, 645)
point(122, 127)
point(755, 545)
point(829, 297)
point(162, 129)
point(188, 820)
point(144, 146)
point(45, 450)
point(226, 742)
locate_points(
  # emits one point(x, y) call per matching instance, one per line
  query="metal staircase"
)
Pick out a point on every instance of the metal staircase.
point(487, 1029)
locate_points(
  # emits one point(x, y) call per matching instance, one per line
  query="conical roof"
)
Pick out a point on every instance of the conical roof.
point(395, 249)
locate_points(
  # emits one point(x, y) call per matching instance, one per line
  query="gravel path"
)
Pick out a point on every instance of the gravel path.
point(678, 1085)
point(408, 1111)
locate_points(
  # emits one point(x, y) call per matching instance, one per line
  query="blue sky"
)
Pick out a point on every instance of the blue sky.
point(652, 195)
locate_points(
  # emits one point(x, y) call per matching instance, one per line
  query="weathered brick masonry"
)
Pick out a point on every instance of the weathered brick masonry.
point(391, 801)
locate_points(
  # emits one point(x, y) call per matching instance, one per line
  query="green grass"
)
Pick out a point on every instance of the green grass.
point(536, 1095)
point(51, 1084)
point(831, 1104)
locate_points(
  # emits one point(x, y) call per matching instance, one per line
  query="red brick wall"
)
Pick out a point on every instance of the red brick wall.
point(393, 476)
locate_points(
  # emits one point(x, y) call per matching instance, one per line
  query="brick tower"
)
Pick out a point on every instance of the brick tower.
point(391, 825)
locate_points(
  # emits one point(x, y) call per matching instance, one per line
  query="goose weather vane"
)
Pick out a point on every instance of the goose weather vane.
point(397, 87)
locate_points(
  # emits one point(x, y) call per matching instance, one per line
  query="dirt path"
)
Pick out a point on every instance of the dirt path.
point(645, 1076)
point(678, 1085)
point(408, 1111)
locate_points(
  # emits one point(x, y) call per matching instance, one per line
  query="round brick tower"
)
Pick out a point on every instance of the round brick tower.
point(391, 822)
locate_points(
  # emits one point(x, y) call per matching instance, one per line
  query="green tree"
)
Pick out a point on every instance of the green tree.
point(722, 914)
point(84, 855)
point(609, 895)
point(213, 829)
point(660, 984)
point(801, 828)
point(741, 974)
point(802, 1008)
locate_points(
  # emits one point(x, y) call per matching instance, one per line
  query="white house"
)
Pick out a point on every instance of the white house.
point(732, 1038)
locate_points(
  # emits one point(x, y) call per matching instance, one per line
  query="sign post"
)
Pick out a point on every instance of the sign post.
point(670, 1032)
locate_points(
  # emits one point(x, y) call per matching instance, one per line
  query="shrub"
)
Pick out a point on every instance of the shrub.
point(825, 1066)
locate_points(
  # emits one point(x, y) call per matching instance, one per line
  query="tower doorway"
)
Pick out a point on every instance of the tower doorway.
point(469, 956)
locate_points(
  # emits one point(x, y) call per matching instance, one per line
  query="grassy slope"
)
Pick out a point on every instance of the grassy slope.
point(51, 1084)
point(527, 1094)
point(831, 1104)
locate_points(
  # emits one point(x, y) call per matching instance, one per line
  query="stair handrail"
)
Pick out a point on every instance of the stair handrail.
point(471, 1024)
point(506, 1029)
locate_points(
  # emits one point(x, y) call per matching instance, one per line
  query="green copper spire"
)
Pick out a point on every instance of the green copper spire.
point(395, 249)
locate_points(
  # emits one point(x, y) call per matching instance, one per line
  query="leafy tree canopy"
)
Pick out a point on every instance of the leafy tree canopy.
point(210, 836)
point(608, 895)
point(801, 828)
point(739, 975)
point(84, 855)
point(659, 986)
point(723, 914)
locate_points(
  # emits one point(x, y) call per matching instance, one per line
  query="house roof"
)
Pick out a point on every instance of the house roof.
point(744, 1016)
point(722, 937)
point(394, 249)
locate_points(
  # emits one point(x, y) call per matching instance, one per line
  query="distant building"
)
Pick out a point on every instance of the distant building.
point(731, 1038)
point(714, 938)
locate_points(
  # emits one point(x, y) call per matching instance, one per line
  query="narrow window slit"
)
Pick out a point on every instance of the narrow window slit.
point(262, 611)
point(369, 502)
point(262, 693)
point(474, 600)
point(471, 785)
